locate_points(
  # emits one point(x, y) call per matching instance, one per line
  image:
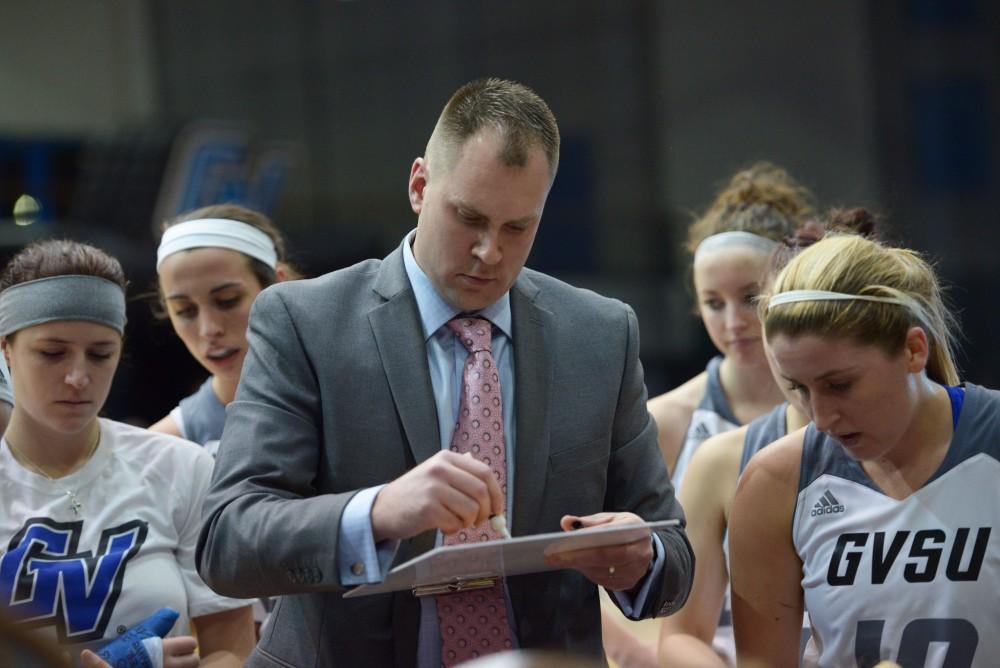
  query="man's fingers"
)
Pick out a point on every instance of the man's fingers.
point(489, 496)
point(457, 503)
point(602, 557)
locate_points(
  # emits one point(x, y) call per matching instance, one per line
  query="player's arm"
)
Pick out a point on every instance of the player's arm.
point(765, 568)
point(686, 637)
point(167, 425)
point(672, 413)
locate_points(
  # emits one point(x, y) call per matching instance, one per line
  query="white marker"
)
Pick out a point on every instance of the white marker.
point(499, 523)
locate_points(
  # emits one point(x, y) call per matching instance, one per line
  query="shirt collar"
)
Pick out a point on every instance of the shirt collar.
point(435, 311)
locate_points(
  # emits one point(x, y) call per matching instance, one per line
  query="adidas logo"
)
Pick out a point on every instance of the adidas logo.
point(701, 431)
point(827, 505)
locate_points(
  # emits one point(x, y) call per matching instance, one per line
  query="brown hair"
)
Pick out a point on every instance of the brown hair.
point(60, 257)
point(763, 199)
point(856, 220)
point(858, 266)
point(516, 112)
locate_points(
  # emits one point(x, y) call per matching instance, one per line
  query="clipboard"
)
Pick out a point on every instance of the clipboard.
point(454, 568)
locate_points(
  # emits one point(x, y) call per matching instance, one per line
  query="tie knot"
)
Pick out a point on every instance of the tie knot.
point(476, 334)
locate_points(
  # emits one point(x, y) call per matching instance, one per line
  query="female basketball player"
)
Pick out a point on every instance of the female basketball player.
point(212, 263)
point(731, 245)
point(100, 519)
point(698, 635)
point(879, 517)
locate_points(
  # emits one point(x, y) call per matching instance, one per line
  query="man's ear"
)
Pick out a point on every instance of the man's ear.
point(417, 183)
point(918, 349)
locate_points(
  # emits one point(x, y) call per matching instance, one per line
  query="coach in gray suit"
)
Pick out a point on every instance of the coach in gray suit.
point(335, 459)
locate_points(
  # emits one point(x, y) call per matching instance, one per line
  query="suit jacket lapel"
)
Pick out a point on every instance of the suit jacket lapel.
point(533, 368)
point(400, 341)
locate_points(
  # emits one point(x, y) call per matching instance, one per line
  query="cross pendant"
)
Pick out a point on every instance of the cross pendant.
point(74, 503)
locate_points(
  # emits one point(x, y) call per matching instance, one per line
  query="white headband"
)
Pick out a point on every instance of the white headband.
point(217, 233)
point(793, 296)
point(734, 238)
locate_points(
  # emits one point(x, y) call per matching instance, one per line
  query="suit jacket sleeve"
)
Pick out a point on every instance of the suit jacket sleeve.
point(266, 530)
point(638, 482)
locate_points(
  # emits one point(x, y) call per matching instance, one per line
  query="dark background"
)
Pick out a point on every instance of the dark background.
point(317, 109)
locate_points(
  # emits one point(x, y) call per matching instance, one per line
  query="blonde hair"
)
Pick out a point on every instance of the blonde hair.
point(858, 266)
point(763, 199)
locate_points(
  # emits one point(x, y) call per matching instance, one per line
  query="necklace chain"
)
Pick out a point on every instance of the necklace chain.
point(74, 502)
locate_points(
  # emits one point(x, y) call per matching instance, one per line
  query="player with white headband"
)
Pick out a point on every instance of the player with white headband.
point(99, 518)
point(687, 637)
point(212, 263)
point(730, 245)
point(880, 518)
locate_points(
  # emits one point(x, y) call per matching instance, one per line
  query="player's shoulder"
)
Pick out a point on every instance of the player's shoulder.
point(715, 465)
point(780, 462)
point(721, 450)
point(140, 445)
point(680, 401)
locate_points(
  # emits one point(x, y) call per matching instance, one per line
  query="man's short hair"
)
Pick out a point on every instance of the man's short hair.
point(516, 112)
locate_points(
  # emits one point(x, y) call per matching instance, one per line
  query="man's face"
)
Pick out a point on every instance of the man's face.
point(476, 222)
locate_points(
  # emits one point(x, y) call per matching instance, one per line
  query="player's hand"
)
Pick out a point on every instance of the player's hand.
point(90, 660)
point(615, 567)
point(178, 652)
point(447, 492)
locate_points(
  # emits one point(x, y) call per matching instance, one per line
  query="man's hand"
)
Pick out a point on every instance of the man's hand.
point(449, 492)
point(615, 567)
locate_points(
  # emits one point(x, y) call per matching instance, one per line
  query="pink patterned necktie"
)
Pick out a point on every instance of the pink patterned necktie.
point(474, 623)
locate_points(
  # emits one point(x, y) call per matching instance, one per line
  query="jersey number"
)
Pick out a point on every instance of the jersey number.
point(960, 635)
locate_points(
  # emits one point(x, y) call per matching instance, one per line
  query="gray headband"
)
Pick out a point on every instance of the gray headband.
point(62, 298)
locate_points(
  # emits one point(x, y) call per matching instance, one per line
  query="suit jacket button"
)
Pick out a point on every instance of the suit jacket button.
point(358, 568)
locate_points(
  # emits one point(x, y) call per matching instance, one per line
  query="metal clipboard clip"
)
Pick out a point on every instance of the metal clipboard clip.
point(454, 587)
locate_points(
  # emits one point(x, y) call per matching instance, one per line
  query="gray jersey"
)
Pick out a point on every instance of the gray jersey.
point(712, 416)
point(765, 429)
point(912, 580)
point(201, 417)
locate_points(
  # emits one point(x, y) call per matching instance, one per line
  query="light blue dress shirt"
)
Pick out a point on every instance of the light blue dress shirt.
point(361, 560)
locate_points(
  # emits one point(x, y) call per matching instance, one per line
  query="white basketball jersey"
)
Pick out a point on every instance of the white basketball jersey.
point(87, 556)
point(712, 416)
point(913, 581)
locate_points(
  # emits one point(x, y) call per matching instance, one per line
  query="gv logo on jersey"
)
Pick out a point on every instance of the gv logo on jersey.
point(45, 580)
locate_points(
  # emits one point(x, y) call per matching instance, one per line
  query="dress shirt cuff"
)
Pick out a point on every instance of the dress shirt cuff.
point(360, 560)
point(631, 608)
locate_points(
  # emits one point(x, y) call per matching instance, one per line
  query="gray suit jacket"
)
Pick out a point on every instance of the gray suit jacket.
point(336, 396)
